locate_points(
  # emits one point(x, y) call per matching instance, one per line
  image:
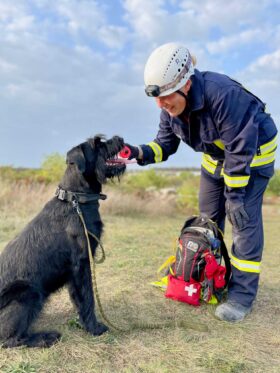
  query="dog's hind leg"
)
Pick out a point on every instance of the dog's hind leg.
point(41, 339)
point(80, 290)
point(17, 317)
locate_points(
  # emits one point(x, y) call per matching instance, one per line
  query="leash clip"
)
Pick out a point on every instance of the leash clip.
point(76, 206)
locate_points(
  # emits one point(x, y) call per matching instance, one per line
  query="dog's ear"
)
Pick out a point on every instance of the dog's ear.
point(97, 140)
point(76, 156)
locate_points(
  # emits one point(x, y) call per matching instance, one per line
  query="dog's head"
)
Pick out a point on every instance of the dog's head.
point(88, 164)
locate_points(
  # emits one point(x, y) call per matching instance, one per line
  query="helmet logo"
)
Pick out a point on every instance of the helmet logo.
point(178, 61)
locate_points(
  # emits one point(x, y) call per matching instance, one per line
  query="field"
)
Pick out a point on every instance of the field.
point(137, 241)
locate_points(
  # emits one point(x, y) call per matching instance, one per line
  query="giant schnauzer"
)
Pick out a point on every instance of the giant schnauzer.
point(52, 249)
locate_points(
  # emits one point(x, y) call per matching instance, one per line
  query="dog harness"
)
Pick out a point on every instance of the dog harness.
point(66, 195)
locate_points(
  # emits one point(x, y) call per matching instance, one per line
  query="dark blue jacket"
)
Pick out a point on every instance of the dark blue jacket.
point(225, 122)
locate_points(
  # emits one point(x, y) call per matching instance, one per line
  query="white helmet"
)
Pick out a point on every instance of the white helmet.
point(168, 68)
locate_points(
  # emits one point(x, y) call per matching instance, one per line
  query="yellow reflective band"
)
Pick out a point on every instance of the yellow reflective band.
point(269, 146)
point(157, 151)
point(236, 181)
point(260, 160)
point(209, 163)
point(245, 265)
point(209, 159)
point(219, 144)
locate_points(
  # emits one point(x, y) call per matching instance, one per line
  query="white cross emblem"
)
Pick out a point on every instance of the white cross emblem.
point(191, 290)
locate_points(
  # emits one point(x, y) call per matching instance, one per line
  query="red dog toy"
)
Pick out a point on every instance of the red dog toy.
point(125, 152)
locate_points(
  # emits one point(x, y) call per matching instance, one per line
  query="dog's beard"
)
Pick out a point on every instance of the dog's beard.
point(105, 167)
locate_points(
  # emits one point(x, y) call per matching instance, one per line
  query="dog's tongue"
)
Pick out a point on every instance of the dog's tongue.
point(120, 160)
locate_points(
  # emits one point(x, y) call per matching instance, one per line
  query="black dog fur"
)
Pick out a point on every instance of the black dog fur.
point(52, 251)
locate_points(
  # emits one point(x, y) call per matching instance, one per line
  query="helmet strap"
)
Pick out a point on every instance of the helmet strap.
point(182, 94)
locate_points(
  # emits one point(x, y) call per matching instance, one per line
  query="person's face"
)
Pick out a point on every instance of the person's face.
point(174, 103)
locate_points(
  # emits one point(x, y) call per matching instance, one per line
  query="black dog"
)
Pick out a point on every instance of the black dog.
point(52, 250)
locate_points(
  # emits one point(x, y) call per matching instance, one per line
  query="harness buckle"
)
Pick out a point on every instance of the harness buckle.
point(60, 194)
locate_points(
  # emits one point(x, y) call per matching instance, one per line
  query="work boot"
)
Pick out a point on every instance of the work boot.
point(232, 311)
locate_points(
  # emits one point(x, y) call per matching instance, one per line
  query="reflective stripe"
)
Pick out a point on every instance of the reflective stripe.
point(269, 146)
point(209, 163)
point(219, 144)
point(267, 156)
point(260, 160)
point(236, 181)
point(245, 265)
point(157, 151)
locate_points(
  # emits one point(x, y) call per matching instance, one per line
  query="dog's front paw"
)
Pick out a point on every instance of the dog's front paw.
point(100, 329)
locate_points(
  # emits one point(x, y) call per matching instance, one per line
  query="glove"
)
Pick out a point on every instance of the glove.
point(236, 214)
point(134, 151)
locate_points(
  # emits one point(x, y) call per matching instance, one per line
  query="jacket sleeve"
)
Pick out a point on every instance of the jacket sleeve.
point(235, 113)
point(165, 143)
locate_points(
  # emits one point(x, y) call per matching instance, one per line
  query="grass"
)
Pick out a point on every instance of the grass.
point(136, 244)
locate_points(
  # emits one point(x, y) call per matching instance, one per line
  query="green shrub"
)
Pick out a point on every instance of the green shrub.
point(274, 184)
point(145, 179)
point(53, 167)
point(11, 174)
point(187, 197)
point(51, 170)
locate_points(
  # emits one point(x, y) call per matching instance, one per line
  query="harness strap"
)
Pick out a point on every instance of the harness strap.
point(66, 195)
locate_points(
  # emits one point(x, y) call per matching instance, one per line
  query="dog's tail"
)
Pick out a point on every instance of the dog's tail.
point(14, 291)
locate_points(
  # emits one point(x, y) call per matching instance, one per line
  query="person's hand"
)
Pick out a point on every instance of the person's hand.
point(236, 214)
point(134, 151)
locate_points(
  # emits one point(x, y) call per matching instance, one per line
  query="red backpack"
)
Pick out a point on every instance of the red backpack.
point(197, 272)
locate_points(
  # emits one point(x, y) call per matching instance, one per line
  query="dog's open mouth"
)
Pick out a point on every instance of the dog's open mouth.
point(115, 167)
point(119, 161)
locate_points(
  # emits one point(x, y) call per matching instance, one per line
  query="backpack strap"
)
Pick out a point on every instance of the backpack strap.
point(225, 255)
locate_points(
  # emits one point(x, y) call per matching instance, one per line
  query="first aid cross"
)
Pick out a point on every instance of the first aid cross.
point(191, 290)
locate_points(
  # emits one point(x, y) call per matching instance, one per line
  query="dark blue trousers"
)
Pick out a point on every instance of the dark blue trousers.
point(247, 247)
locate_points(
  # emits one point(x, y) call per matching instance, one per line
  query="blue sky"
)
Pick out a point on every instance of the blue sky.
point(72, 68)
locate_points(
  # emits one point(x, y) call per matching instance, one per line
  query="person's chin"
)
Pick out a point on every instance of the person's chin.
point(172, 112)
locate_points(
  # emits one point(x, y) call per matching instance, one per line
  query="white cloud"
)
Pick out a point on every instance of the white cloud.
point(262, 77)
point(237, 40)
point(113, 36)
point(267, 65)
point(85, 16)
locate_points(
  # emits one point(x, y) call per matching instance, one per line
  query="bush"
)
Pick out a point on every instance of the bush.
point(145, 179)
point(274, 184)
point(52, 168)
point(187, 197)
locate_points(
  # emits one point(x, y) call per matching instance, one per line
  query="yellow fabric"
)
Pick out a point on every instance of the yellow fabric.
point(260, 160)
point(213, 300)
point(245, 265)
point(236, 181)
point(267, 155)
point(169, 261)
point(219, 144)
point(269, 146)
point(162, 283)
point(209, 163)
point(157, 151)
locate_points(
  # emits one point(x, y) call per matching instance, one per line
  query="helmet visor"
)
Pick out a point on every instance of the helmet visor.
point(156, 91)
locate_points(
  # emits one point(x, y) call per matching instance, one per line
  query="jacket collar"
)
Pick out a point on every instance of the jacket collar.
point(196, 93)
